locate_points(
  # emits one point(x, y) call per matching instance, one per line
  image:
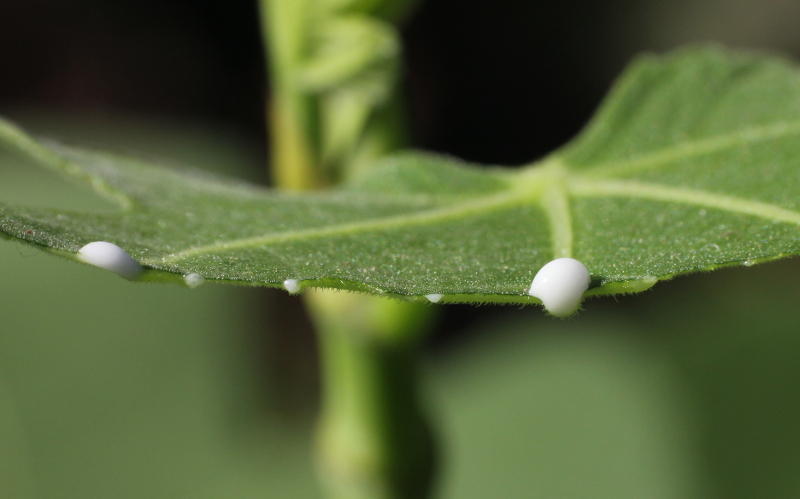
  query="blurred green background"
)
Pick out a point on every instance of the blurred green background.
point(116, 390)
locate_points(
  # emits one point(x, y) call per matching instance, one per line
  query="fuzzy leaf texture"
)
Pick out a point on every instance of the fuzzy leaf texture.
point(691, 163)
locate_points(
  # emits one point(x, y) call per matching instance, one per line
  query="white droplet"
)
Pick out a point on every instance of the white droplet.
point(560, 285)
point(111, 257)
point(291, 285)
point(193, 280)
point(434, 298)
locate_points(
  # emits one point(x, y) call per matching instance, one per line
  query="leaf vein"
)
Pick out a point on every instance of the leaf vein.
point(621, 188)
point(23, 144)
point(747, 136)
point(429, 216)
point(556, 205)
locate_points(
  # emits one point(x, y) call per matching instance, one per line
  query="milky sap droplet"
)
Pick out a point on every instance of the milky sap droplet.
point(193, 280)
point(291, 285)
point(434, 298)
point(111, 257)
point(560, 285)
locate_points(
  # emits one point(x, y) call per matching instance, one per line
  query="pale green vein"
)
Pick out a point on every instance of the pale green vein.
point(545, 185)
point(478, 206)
point(555, 202)
point(689, 149)
point(19, 142)
point(582, 187)
point(528, 189)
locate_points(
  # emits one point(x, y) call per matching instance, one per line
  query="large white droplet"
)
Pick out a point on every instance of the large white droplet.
point(193, 280)
point(560, 285)
point(434, 298)
point(291, 285)
point(111, 257)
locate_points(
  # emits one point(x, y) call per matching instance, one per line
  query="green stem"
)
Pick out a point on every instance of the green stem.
point(386, 131)
point(291, 112)
point(372, 441)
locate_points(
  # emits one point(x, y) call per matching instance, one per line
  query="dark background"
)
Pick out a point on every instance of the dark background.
point(500, 83)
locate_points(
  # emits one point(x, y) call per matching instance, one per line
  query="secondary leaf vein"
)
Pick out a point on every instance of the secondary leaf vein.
point(21, 143)
point(475, 206)
point(581, 187)
point(689, 149)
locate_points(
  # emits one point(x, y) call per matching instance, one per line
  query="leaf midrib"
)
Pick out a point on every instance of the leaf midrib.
point(550, 185)
point(521, 194)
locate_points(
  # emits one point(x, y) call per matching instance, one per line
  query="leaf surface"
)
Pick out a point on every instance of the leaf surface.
point(691, 163)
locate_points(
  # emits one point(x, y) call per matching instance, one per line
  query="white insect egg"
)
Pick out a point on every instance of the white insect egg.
point(291, 285)
point(193, 280)
point(111, 257)
point(560, 285)
point(434, 297)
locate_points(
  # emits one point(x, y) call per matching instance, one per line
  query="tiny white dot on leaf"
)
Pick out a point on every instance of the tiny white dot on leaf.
point(194, 280)
point(291, 285)
point(434, 297)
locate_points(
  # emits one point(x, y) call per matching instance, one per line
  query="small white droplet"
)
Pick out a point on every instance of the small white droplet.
point(434, 297)
point(193, 280)
point(748, 263)
point(560, 285)
point(111, 257)
point(291, 285)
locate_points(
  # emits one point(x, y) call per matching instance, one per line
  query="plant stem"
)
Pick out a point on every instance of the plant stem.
point(291, 114)
point(372, 440)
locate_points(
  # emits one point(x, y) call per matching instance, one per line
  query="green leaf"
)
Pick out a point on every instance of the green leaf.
point(692, 162)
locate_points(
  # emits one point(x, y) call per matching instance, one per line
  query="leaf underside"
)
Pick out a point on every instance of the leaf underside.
point(691, 163)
